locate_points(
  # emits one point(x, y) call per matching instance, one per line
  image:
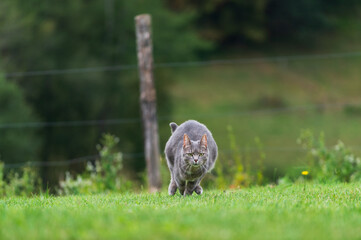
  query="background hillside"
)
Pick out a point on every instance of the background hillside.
point(272, 101)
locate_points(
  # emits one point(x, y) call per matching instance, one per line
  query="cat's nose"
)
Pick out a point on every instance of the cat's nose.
point(195, 160)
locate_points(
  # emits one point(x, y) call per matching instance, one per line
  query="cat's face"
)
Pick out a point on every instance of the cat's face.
point(195, 153)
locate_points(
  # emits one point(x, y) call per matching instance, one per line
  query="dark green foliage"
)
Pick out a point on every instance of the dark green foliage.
point(16, 145)
point(42, 35)
point(227, 21)
point(268, 21)
point(306, 20)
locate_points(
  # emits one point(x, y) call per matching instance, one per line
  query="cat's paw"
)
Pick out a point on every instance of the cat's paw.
point(172, 189)
point(198, 190)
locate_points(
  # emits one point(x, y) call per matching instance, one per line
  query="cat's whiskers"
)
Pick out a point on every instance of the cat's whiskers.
point(186, 166)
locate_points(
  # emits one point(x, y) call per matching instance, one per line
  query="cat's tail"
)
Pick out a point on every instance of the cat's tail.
point(173, 126)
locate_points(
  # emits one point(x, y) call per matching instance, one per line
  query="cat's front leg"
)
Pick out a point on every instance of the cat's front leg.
point(181, 186)
point(172, 189)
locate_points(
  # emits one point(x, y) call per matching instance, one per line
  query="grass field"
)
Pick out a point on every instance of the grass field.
point(282, 212)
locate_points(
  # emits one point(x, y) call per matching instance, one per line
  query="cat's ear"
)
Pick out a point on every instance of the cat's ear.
point(204, 141)
point(186, 141)
point(173, 126)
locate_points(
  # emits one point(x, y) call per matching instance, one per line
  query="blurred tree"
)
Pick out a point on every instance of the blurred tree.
point(41, 35)
point(265, 21)
point(305, 21)
point(227, 21)
point(16, 145)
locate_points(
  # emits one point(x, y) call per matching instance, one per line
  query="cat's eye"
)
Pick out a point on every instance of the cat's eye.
point(190, 154)
point(201, 154)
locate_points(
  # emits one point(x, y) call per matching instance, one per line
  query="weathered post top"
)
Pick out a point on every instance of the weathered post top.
point(145, 55)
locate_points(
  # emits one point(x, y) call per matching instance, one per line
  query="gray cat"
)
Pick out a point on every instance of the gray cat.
point(191, 152)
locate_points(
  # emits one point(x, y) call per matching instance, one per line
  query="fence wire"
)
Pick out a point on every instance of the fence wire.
point(240, 61)
point(121, 121)
point(138, 155)
point(67, 162)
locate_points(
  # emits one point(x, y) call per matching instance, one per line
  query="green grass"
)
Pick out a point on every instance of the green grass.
point(282, 212)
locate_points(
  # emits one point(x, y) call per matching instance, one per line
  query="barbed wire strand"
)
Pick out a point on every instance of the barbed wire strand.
point(173, 118)
point(141, 154)
point(50, 164)
point(67, 162)
point(184, 64)
point(69, 123)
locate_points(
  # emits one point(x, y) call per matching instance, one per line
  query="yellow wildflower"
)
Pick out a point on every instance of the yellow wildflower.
point(305, 173)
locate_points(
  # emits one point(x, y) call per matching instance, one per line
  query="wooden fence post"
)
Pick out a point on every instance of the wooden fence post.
point(148, 100)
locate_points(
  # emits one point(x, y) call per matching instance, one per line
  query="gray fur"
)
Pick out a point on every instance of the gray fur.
point(189, 163)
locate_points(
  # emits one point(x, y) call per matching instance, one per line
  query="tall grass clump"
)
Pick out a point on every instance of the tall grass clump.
point(104, 175)
point(234, 170)
point(329, 164)
point(24, 182)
